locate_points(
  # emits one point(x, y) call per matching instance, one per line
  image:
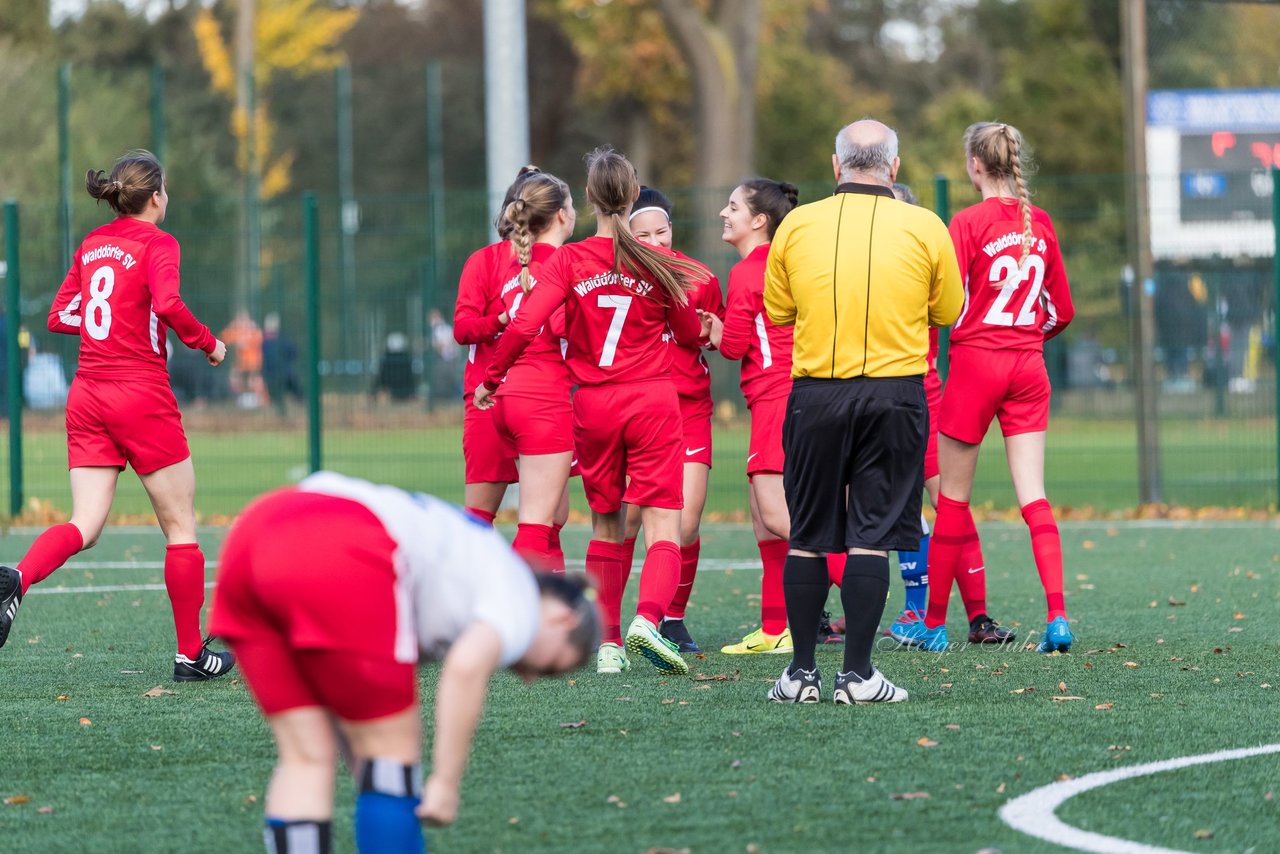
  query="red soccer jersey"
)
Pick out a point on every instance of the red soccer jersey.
point(121, 297)
point(614, 323)
point(540, 371)
point(1026, 310)
point(475, 315)
point(763, 346)
point(689, 369)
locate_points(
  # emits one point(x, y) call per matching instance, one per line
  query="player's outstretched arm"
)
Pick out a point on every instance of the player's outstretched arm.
point(464, 681)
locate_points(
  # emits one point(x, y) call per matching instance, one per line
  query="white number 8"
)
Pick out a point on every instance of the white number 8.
point(97, 314)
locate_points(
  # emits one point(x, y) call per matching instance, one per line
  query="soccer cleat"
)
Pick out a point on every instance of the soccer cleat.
point(920, 636)
point(10, 599)
point(850, 690)
point(210, 665)
point(1057, 637)
point(983, 629)
point(760, 643)
point(612, 659)
point(676, 632)
point(898, 629)
point(804, 686)
point(827, 631)
point(643, 639)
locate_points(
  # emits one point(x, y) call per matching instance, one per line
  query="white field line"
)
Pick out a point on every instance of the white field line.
point(1035, 812)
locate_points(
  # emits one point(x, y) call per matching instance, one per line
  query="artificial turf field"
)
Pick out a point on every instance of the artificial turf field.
point(1177, 653)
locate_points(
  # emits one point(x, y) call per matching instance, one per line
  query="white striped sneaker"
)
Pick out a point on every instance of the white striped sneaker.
point(210, 665)
point(850, 690)
point(803, 686)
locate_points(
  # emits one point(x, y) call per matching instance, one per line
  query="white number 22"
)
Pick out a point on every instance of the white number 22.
point(1005, 269)
point(620, 306)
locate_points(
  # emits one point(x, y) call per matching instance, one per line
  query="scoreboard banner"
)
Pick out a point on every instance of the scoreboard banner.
point(1209, 158)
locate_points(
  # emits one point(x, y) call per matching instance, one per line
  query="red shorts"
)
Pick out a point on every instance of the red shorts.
point(982, 384)
point(113, 422)
point(932, 394)
point(534, 425)
point(306, 598)
point(764, 452)
point(629, 431)
point(695, 415)
point(487, 458)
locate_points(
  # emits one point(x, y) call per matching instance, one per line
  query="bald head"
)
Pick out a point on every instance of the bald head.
point(866, 150)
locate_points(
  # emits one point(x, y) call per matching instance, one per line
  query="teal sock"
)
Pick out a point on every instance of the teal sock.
point(915, 576)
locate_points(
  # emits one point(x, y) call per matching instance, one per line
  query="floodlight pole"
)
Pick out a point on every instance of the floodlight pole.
point(1133, 28)
point(506, 96)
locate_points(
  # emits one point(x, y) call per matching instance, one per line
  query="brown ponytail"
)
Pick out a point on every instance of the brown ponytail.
point(500, 223)
point(539, 198)
point(134, 178)
point(1002, 152)
point(612, 186)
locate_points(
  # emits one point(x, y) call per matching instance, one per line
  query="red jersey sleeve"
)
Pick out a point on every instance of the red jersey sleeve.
point(1059, 309)
point(740, 313)
point(64, 315)
point(711, 300)
point(535, 311)
point(474, 318)
point(163, 261)
point(684, 324)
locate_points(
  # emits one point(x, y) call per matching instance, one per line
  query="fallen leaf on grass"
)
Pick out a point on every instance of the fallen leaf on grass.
point(1060, 697)
point(515, 819)
point(86, 722)
point(1119, 747)
point(1131, 664)
point(952, 726)
point(15, 800)
point(1029, 689)
point(616, 801)
point(908, 796)
point(672, 798)
point(1088, 545)
point(926, 742)
point(1062, 687)
point(947, 684)
point(716, 677)
point(1174, 603)
point(1269, 796)
point(45, 810)
point(1062, 778)
point(735, 764)
point(573, 724)
point(156, 692)
point(1088, 665)
point(1000, 789)
point(1239, 616)
point(157, 747)
point(1105, 706)
point(62, 697)
point(1203, 833)
point(667, 701)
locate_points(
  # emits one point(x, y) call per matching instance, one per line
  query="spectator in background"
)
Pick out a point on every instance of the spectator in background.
point(395, 370)
point(279, 358)
point(445, 373)
point(244, 341)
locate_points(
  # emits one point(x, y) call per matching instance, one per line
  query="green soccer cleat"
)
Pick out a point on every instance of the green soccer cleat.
point(759, 643)
point(612, 659)
point(643, 639)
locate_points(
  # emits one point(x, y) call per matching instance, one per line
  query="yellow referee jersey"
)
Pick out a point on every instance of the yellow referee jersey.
point(862, 276)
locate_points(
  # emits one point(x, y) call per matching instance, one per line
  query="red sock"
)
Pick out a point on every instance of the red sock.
point(483, 515)
point(945, 548)
point(533, 543)
point(659, 578)
point(554, 551)
point(1046, 545)
point(607, 569)
point(51, 550)
point(773, 605)
point(835, 567)
point(688, 570)
point(184, 580)
point(629, 552)
point(971, 571)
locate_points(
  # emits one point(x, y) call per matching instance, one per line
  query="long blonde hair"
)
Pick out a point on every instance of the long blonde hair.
point(612, 186)
point(1000, 149)
point(541, 196)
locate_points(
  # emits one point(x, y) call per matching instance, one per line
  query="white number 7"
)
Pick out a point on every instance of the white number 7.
point(620, 306)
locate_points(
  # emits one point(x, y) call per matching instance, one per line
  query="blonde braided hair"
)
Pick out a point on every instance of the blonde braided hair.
point(1003, 154)
point(541, 196)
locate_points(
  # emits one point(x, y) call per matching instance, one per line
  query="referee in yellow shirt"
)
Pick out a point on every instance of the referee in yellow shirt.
point(862, 276)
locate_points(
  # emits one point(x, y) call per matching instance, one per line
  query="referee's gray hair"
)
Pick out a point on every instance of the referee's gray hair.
point(870, 159)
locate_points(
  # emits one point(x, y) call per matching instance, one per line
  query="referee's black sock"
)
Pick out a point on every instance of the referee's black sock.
point(804, 585)
point(866, 584)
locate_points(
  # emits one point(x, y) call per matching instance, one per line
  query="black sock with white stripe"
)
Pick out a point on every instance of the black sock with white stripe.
point(298, 837)
point(862, 593)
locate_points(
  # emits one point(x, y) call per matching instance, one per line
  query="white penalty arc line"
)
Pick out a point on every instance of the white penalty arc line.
point(1035, 812)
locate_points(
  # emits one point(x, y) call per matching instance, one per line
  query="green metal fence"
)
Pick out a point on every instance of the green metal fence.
point(380, 285)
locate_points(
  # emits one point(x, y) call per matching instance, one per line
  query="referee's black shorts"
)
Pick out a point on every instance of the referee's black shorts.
point(864, 437)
